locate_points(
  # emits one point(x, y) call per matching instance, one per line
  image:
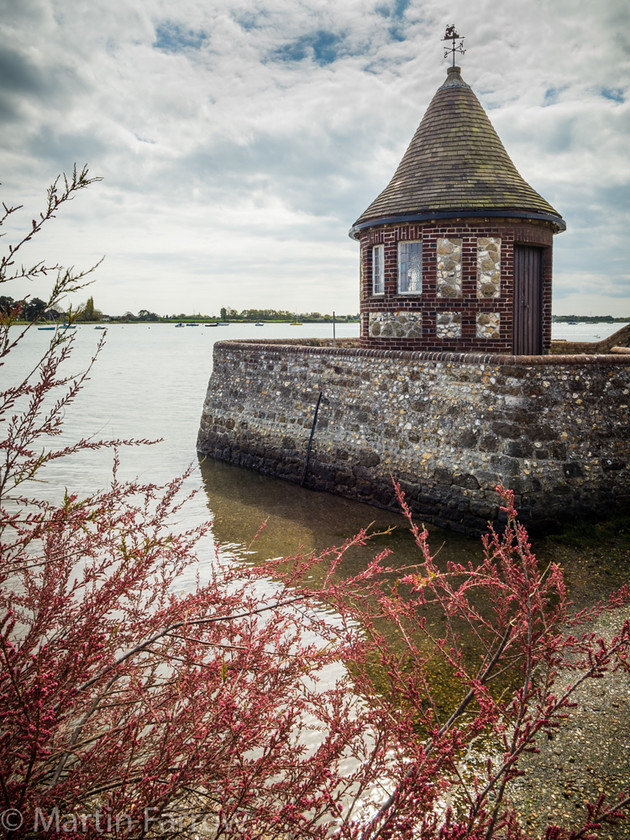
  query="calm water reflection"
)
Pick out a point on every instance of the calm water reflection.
point(299, 520)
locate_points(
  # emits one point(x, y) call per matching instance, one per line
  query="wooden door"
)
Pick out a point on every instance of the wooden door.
point(528, 332)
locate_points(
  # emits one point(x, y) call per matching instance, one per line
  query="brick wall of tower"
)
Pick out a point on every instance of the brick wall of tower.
point(466, 309)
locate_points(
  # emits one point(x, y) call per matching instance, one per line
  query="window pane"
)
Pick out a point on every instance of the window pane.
point(409, 267)
point(378, 270)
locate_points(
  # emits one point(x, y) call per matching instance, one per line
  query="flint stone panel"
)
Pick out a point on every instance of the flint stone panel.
point(488, 267)
point(449, 268)
point(395, 324)
point(488, 325)
point(448, 325)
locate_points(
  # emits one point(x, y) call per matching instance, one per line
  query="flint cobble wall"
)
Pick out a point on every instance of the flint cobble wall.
point(446, 425)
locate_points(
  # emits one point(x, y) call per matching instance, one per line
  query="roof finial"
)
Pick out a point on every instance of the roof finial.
point(451, 35)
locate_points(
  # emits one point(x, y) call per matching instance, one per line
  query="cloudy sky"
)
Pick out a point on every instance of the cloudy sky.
point(238, 140)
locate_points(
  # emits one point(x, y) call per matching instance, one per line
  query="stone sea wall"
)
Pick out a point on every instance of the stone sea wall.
point(446, 425)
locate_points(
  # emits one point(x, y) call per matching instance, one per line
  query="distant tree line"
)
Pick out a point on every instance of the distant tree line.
point(35, 309)
point(229, 314)
point(31, 309)
point(588, 319)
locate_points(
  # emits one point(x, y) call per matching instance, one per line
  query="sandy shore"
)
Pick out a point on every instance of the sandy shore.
point(588, 756)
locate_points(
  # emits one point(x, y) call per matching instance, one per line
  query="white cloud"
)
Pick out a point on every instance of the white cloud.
point(240, 140)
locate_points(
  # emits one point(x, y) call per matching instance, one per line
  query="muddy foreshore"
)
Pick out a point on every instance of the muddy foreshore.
point(590, 754)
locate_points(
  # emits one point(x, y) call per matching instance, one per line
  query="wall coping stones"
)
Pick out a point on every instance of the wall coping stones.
point(346, 348)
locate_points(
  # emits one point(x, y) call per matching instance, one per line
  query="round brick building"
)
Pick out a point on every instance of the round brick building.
point(456, 252)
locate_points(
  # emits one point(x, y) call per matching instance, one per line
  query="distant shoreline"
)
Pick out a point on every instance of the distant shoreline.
point(556, 319)
point(192, 320)
point(589, 319)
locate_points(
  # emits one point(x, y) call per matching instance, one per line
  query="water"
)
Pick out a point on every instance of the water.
point(584, 332)
point(150, 382)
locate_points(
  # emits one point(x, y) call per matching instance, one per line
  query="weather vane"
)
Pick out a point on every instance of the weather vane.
point(451, 35)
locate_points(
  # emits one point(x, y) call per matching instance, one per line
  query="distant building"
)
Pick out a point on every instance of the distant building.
point(456, 252)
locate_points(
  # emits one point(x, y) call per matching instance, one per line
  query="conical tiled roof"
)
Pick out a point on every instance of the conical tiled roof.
point(456, 163)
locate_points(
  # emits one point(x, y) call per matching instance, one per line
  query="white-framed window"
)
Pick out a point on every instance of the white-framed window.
point(409, 268)
point(378, 270)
